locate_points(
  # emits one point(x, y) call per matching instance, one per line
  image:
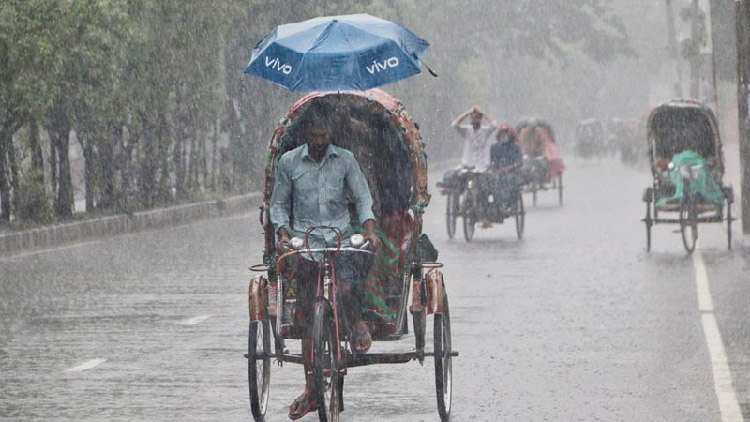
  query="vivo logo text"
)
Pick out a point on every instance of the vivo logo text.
point(278, 66)
point(381, 66)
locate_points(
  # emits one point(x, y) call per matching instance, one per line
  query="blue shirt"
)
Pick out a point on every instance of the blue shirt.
point(316, 194)
point(504, 154)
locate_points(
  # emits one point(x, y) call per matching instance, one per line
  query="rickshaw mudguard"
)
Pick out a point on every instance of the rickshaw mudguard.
point(434, 293)
point(256, 298)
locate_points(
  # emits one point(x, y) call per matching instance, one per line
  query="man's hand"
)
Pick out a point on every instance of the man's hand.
point(371, 236)
point(283, 239)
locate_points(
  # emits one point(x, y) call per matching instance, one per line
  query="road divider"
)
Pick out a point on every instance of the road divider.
point(59, 234)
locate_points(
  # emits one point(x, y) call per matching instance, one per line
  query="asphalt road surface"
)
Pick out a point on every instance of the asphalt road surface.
point(576, 322)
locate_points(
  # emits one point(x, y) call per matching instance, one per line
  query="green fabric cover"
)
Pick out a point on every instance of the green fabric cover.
point(703, 183)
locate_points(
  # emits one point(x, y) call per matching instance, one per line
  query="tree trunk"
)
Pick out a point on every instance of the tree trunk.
point(4, 186)
point(743, 99)
point(64, 202)
point(107, 168)
point(148, 165)
point(37, 158)
point(15, 178)
point(671, 33)
point(88, 171)
point(53, 162)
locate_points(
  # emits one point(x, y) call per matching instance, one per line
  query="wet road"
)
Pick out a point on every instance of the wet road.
point(574, 323)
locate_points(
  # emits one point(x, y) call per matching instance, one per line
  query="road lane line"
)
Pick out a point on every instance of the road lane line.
point(91, 364)
point(194, 320)
point(725, 394)
point(705, 303)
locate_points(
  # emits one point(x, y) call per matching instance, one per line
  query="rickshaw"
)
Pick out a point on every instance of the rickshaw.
point(405, 276)
point(590, 138)
point(685, 153)
point(462, 200)
point(542, 163)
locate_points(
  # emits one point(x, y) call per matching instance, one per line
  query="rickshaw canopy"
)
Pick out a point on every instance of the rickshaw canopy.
point(679, 125)
point(384, 139)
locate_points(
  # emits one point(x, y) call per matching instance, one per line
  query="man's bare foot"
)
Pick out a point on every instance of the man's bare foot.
point(302, 405)
point(361, 339)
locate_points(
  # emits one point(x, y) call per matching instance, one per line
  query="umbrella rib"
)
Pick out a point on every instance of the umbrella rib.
point(359, 71)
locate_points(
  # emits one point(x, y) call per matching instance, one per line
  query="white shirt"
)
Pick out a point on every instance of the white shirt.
point(477, 145)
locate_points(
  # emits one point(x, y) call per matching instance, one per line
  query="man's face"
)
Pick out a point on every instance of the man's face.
point(476, 119)
point(318, 142)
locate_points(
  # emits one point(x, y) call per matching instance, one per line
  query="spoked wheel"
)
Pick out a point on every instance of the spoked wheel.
point(451, 213)
point(259, 366)
point(443, 361)
point(688, 224)
point(520, 216)
point(326, 364)
point(469, 219)
point(729, 225)
point(560, 188)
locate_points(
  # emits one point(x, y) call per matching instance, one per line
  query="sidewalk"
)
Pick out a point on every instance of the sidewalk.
point(60, 234)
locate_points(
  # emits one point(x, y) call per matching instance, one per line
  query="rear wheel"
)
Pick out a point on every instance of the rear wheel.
point(560, 188)
point(729, 226)
point(259, 366)
point(520, 216)
point(688, 223)
point(326, 364)
point(451, 213)
point(469, 219)
point(443, 361)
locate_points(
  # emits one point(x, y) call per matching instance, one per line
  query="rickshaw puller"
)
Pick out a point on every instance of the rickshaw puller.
point(476, 154)
point(312, 184)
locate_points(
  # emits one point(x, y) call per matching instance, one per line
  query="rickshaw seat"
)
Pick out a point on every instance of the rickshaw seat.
point(675, 207)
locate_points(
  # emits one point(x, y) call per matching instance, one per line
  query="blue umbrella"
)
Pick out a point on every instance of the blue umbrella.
point(337, 53)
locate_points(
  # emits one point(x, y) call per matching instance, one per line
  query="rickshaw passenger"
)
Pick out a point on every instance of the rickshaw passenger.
point(506, 159)
point(312, 183)
point(476, 153)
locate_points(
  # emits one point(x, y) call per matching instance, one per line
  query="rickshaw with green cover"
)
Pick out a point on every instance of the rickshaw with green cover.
point(687, 167)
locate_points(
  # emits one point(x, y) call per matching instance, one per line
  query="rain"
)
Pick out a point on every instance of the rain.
point(374, 210)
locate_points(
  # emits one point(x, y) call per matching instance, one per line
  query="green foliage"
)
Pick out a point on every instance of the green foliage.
point(150, 85)
point(35, 204)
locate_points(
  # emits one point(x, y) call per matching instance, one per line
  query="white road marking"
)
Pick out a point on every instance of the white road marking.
point(194, 320)
point(52, 249)
point(725, 394)
point(705, 303)
point(93, 363)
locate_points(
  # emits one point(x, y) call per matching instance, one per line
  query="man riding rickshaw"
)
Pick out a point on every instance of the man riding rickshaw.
point(346, 188)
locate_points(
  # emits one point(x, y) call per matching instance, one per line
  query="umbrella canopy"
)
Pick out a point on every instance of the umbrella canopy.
point(337, 53)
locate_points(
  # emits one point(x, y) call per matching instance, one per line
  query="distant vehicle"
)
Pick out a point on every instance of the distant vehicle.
point(543, 165)
point(684, 149)
point(622, 136)
point(590, 139)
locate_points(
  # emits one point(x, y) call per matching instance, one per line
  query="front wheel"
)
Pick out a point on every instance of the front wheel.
point(560, 188)
point(451, 213)
point(443, 361)
point(688, 223)
point(326, 364)
point(520, 217)
point(259, 366)
point(469, 219)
